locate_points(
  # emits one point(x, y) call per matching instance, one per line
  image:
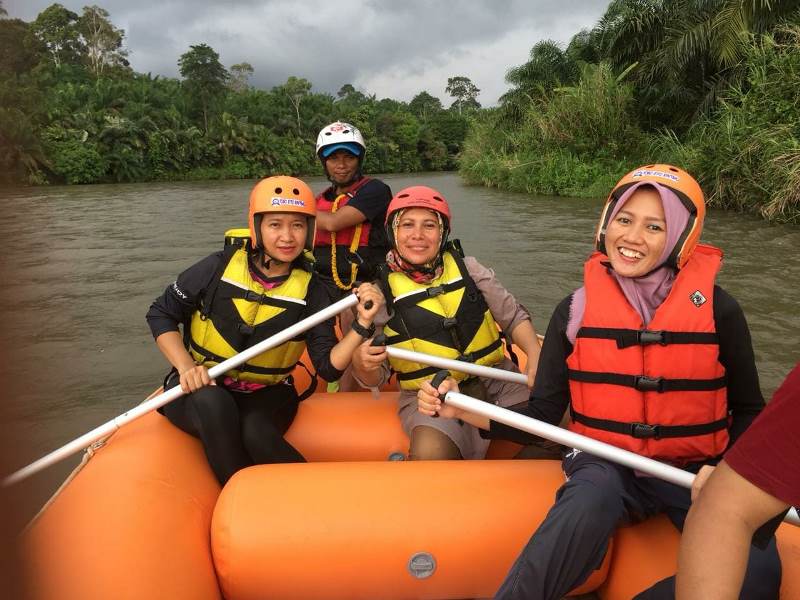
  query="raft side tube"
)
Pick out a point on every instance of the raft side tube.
point(648, 552)
point(132, 524)
point(361, 530)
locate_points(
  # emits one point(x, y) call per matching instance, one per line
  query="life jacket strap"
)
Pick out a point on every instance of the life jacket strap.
point(646, 431)
point(208, 356)
point(431, 292)
point(643, 383)
point(643, 337)
point(263, 299)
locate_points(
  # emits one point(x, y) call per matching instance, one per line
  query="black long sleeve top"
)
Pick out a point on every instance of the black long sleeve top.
point(182, 298)
point(550, 396)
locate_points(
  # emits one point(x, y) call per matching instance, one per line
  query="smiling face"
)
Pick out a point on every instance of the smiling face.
point(636, 236)
point(342, 167)
point(284, 235)
point(418, 236)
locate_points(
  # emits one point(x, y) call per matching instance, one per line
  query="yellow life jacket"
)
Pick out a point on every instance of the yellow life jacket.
point(238, 313)
point(448, 317)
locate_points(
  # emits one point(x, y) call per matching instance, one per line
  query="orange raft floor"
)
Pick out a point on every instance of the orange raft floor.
point(145, 518)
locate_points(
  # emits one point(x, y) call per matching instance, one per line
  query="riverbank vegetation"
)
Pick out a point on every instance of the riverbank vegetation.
point(709, 85)
point(73, 111)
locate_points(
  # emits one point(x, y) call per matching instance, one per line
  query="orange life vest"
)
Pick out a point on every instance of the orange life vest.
point(659, 391)
point(344, 237)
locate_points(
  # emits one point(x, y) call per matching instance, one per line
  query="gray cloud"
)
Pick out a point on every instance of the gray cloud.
point(392, 49)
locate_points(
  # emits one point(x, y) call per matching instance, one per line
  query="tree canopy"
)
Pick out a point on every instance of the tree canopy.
point(72, 110)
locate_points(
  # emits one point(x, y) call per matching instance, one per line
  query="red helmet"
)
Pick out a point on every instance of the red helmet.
point(685, 187)
point(418, 196)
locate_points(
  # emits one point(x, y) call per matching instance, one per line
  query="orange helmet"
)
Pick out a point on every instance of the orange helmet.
point(281, 194)
point(418, 196)
point(685, 187)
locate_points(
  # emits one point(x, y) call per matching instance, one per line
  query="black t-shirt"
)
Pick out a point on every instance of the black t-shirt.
point(372, 199)
point(182, 298)
point(550, 395)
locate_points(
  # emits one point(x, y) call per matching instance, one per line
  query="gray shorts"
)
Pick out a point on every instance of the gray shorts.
point(467, 437)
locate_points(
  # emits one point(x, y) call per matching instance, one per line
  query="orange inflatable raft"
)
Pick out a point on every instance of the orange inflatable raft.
point(143, 517)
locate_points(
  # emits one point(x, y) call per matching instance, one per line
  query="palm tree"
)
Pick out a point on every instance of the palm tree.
point(685, 51)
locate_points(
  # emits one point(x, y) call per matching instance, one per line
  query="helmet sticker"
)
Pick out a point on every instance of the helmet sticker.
point(651, 173)
point(697, 298)
point(277, 201)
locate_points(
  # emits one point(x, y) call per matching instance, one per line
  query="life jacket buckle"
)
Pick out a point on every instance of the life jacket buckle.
point(354, 258)
point(449, 323)
point(643, 383)
point(434, 291)
point(252, 296)
point(245, 329)
point(644, 431)
point(645, 336)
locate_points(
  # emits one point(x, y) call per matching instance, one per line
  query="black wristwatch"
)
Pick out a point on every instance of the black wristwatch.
point(365, 332)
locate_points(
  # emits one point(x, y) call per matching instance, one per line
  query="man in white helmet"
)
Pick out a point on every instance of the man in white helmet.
point(351, 241)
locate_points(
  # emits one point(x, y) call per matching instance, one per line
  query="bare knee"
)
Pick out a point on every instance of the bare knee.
point(428, 443)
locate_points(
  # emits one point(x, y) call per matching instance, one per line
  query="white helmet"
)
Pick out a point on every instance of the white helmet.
point(340, 135)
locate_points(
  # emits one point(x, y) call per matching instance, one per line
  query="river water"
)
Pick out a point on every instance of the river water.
point(81, 265)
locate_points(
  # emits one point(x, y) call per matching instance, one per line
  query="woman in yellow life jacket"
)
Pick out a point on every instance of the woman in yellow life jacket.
point(651, 356)
point(232, 300)
point(448, 305)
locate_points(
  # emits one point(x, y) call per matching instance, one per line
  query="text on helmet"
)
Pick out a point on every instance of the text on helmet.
point(649, 173)
point(277, 201)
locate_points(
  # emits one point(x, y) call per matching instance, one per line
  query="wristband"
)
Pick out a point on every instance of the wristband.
point(365, 332)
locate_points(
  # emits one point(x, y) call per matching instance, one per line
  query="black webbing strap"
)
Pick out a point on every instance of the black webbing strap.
point(210, 356)
point(211, 290)
point(644, 430)
point(642, 337)
point(644, 383)
point(431, 292)
point(312, 387)
point(263, 299)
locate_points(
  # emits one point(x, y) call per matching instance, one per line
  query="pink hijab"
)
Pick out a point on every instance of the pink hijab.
point(645, 294)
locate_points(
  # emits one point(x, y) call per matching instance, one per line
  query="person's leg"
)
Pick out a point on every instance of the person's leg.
point(211, 414)
point(573, 539)
point(428, 443)
point(763, 576)
point(266, 416)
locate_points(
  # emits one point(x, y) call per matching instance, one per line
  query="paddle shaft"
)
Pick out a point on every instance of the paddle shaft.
point(581, 442)
point(111, 426)
point(457, 365)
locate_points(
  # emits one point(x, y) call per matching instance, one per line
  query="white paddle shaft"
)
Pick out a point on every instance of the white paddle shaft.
point(111, 426)
point(457, 365)
point(581, 442)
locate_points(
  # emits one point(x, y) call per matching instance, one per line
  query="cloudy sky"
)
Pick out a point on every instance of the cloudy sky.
point(392, 48)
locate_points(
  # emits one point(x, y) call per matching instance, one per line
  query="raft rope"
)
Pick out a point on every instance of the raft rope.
point(353, 247)
point(88, 454)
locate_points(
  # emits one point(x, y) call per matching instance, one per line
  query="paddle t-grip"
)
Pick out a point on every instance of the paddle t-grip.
point(379, 340)
point(437, 381)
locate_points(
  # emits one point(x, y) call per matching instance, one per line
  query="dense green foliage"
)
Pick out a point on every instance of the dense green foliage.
point(710, 85)
point(73, 111)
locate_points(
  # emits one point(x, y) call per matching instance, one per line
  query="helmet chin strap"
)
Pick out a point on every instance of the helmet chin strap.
point(268, 260)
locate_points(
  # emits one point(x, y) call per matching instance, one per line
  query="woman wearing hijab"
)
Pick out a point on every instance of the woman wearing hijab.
point(650, 355)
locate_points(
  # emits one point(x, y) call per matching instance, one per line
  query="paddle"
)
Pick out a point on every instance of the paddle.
point(580, 442)
point(111, 426)
point(451, 364)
